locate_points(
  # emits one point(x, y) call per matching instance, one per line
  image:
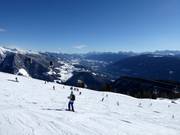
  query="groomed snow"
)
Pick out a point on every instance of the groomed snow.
point(31, 107)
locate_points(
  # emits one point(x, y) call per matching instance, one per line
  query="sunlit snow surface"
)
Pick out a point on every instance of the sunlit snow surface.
point(31, 107)
point(23, 72)
point(65, 71)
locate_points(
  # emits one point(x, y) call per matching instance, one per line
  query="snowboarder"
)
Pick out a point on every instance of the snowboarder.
point(54, 87)
point(71, 102)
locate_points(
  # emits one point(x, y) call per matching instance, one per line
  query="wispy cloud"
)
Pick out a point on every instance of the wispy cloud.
point(80, 47)
point(2, 30)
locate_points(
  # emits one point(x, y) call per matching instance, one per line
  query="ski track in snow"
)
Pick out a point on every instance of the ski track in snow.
point(30, 107)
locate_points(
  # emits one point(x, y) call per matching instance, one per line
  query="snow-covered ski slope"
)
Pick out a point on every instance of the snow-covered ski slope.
point(30, 107)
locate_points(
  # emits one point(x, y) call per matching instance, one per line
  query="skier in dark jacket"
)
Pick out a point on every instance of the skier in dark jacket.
point(71, 102)
point(16, 79)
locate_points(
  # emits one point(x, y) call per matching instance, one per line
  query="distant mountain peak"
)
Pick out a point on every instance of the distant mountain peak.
point(16, 50)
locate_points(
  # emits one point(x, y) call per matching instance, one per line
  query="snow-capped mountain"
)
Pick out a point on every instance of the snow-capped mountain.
point(45, 66)
point(166, 53)
point(96, 70)
point(35, 65)
point(4, 50)
point(30, 107)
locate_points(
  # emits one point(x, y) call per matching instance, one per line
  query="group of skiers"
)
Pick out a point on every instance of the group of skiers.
point(71, 97)
point(75, 89)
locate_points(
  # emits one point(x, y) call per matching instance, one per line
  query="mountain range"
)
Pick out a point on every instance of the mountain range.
point(98, 71)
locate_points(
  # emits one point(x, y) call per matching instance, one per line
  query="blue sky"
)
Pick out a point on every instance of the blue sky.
point(77, 26)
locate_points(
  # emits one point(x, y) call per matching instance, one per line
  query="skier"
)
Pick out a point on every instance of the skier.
point(102, 99)
point(54, 87)
point(16, 79)
point(71, 102)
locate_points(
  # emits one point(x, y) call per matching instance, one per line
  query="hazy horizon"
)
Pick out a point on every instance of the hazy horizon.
point(61, 51)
